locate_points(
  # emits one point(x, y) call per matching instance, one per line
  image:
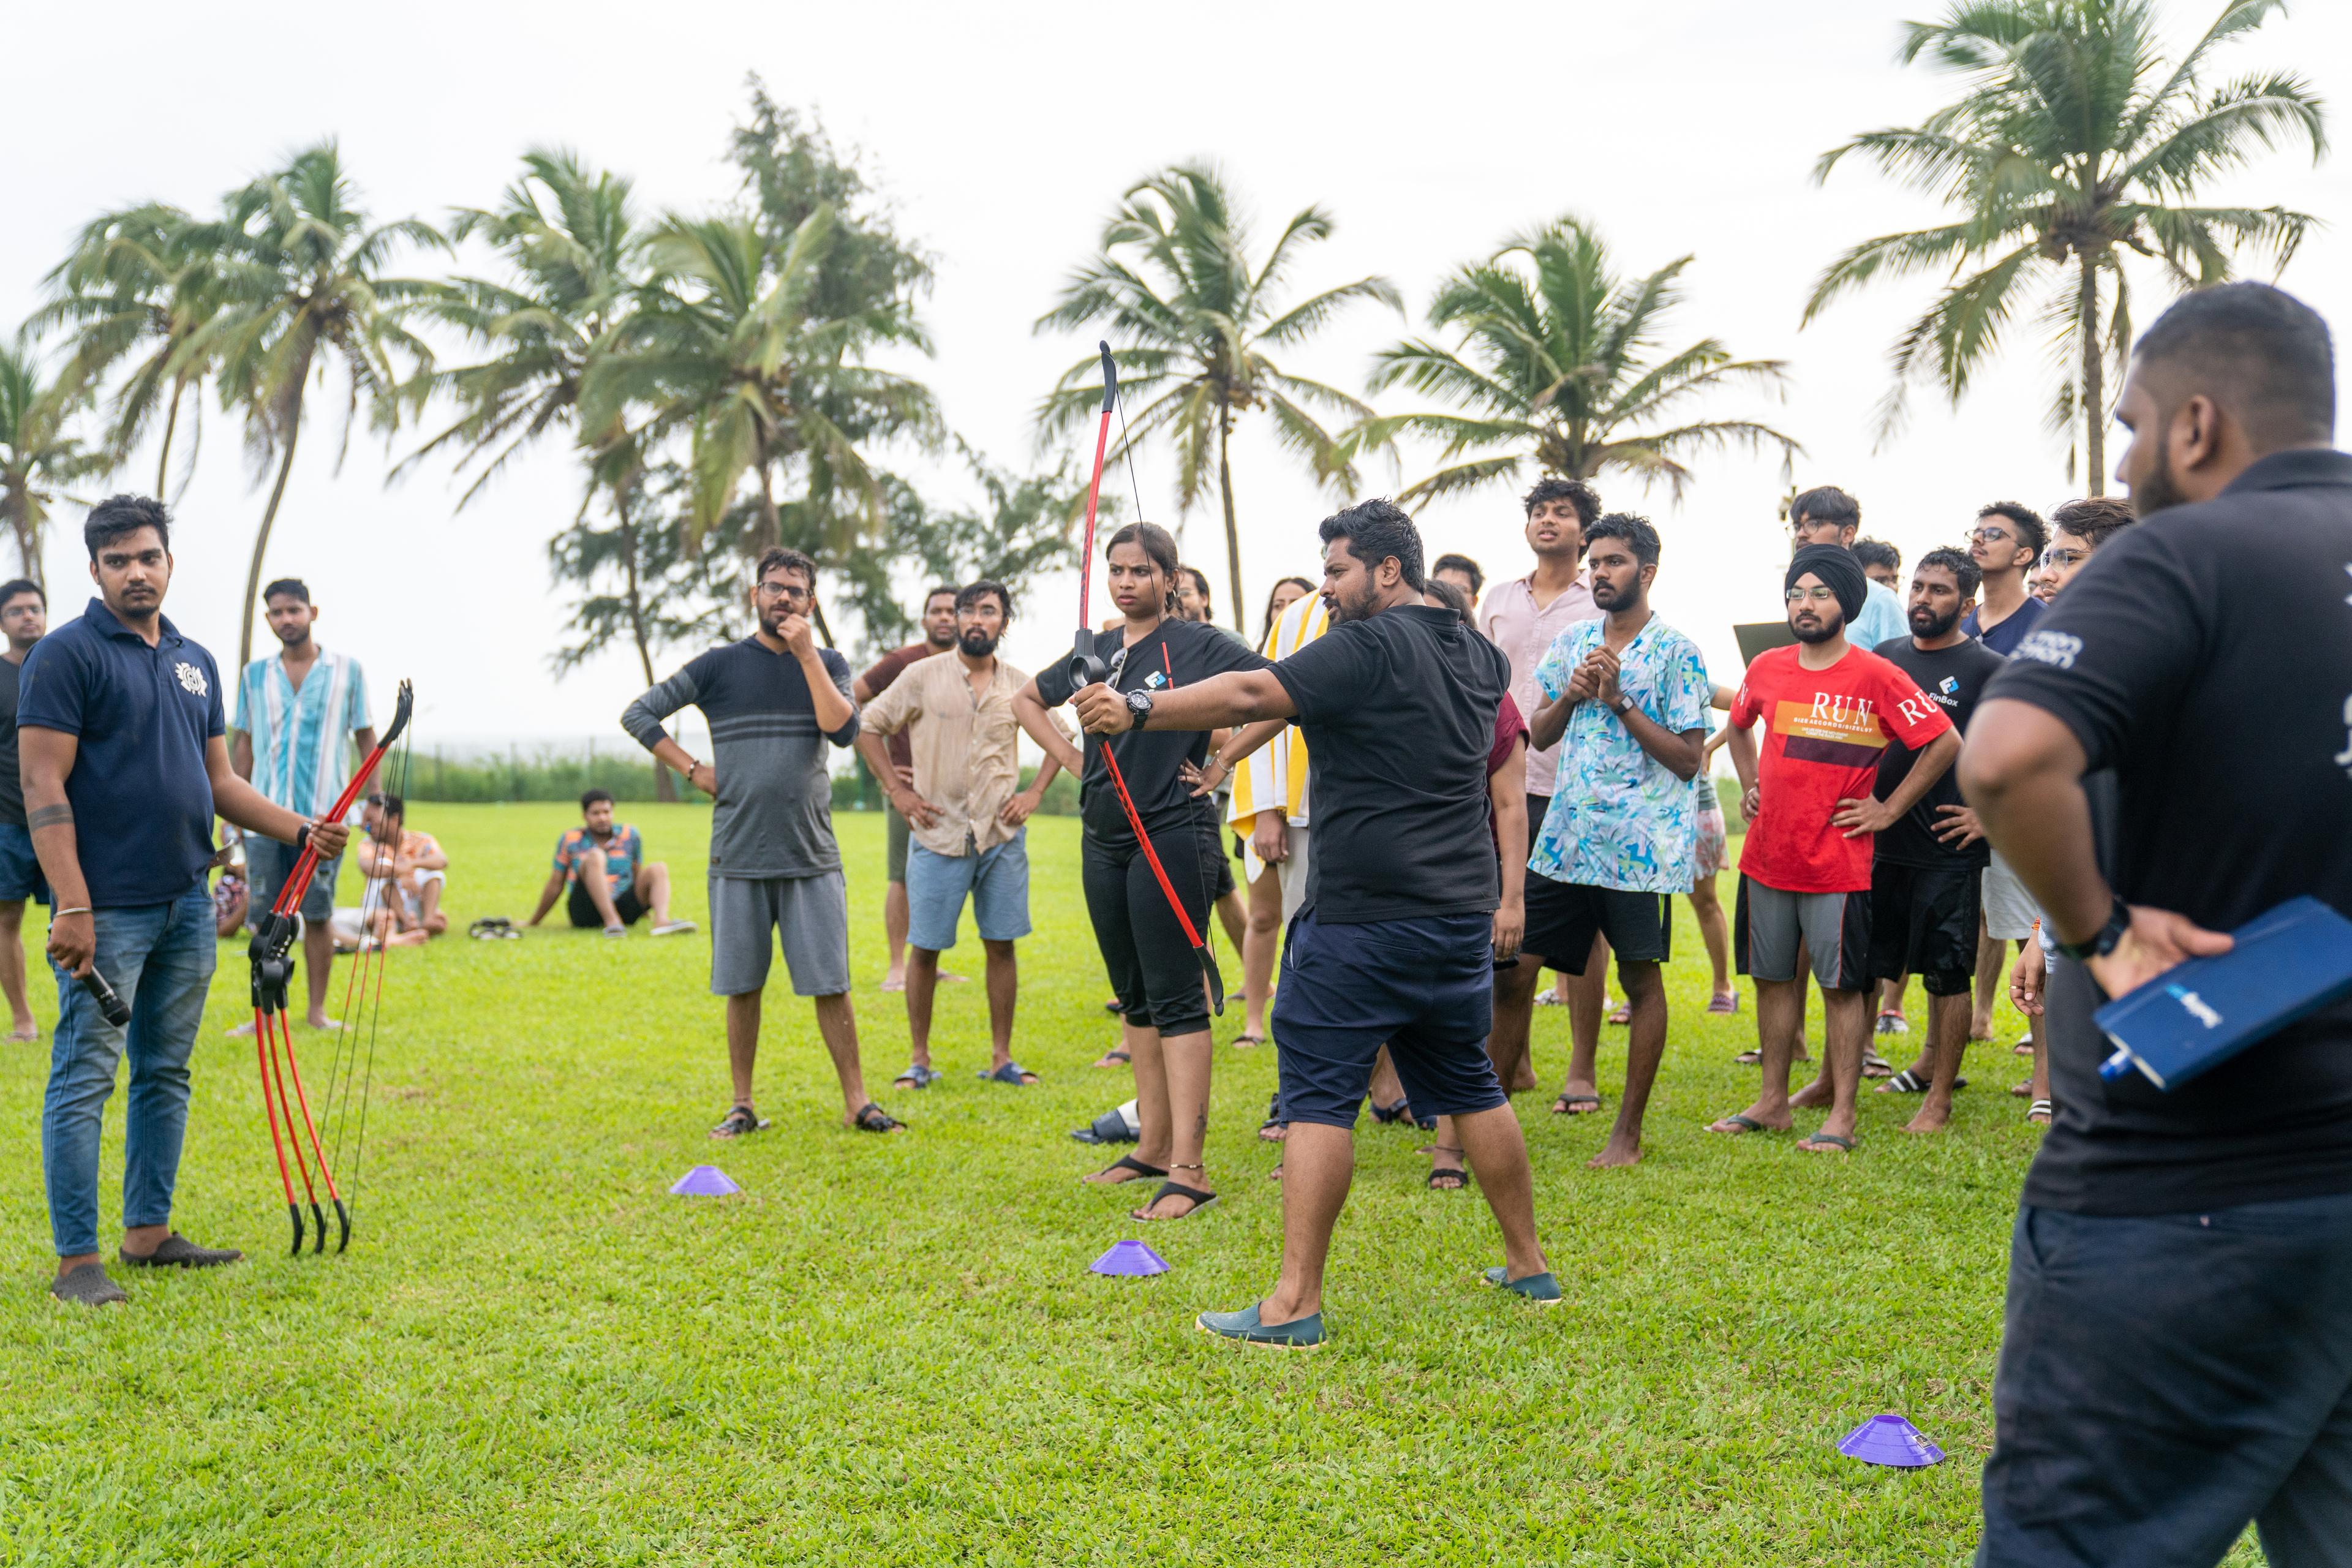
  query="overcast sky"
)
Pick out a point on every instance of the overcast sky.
point(1003, 134)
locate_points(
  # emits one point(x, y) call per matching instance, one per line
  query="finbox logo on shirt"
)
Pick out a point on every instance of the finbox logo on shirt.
point(192, 680)
point(1834, 728)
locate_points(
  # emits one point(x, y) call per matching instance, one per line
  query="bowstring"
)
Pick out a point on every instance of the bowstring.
point(375, 1015)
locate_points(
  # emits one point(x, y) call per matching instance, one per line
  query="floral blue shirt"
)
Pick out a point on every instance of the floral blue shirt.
point(1620, 818)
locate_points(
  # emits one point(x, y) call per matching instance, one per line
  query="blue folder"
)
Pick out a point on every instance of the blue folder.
point(2288, 963)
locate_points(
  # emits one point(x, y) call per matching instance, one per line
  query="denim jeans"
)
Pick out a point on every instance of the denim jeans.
point(2166, 1378)
point(160, 959)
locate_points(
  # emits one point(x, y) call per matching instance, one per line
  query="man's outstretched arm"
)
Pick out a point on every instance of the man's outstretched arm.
point(1222, 701)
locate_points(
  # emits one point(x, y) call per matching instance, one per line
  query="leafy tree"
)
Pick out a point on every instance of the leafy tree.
point(667, 594)
point(38, 453)
point(2076, 144)
point(1557, 365)
point(301, 282)
point(1175, 284)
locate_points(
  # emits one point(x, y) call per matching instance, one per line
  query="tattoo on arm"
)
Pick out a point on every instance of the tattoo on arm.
point(48, 816)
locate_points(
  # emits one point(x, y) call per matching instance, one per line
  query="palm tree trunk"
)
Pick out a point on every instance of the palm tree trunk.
point(171, 424)
point(261, 540)
point(665, 787)
point(1233, 532)
point(2094, 399)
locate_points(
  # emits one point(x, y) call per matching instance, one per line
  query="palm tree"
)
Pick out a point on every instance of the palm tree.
point(1195, 318)
point(2075, 145)
point(298, 273)
point(1557, 366)
point(133, 289)
point(37, 452)
point(729, 346)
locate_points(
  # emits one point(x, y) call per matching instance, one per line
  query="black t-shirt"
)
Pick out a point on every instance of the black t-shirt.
point(2206, 657)
point(1399, 716)
point(1174, 653)
point(12, 788)
point(1953, 678)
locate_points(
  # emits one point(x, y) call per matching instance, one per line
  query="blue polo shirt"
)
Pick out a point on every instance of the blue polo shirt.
point(141, 797)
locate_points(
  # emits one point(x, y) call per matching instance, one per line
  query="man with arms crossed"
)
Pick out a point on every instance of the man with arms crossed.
point(2177, 1358)
point(297, 715)
point(1625, 707)
point(1924, 866)
point(23, 617)
point(1396, 941)
point(938, 637)
point(124, 768)
point(613, 886)
point(966, 809)
point(774, 701)
point(1830, 709)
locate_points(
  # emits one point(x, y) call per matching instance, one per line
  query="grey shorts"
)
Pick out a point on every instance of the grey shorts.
point(811, 914)
point(1774, 931)
point(268, 864)
point(2009, 911)
point(894, 854)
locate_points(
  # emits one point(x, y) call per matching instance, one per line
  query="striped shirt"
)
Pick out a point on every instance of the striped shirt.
point(1274, 775)
point(300, 760)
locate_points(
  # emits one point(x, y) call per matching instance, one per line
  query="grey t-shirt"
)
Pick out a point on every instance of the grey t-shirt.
point(774, 812)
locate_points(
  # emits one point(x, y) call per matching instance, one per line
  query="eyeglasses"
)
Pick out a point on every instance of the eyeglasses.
point(2062, 559)
point(1817, 593)
point(1989, 535)
point(791, 592)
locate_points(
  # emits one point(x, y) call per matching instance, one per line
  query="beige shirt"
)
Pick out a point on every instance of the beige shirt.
point(1512, 621)
point(967, 748)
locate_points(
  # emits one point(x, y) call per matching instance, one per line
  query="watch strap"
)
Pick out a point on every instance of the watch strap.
point(2105, 940)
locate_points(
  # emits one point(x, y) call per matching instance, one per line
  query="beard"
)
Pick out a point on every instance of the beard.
point(1605, 597)
point(942, 641)
point(1822, 630)
point(977, 644)
point(2158, 490)
point(1357, 608)
point(1927, 625)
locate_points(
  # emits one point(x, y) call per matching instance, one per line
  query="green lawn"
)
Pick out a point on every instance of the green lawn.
point(889, 1352)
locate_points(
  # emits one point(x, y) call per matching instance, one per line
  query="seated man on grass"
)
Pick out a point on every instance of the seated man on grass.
point(612, 885)
point(405, 873)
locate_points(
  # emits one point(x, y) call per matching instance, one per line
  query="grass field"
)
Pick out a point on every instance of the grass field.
point(889, 1350)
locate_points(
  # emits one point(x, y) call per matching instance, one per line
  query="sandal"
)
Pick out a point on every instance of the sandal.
point(1820, 1142)
point(1129, 1163)
point(1246, 1039)
point(1200, 1200)
point(1012, 1073)
point(739, 1120)
point(1909, 1082)
point(1386, 1115)
point(1750, 1058)
point(917, 1075)
point(1115, 1056)
point(2039, 1112)
point(1875, 1066)
point(2022, 1088)
point(1623, 1014)
point(1447, 1178)
point(872, 1118)
point(1569, 1104)
point(1737, 1124)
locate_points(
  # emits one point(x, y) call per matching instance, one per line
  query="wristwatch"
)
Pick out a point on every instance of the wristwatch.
point(1622, 703)
point(2108, 935)
point(1139, 708)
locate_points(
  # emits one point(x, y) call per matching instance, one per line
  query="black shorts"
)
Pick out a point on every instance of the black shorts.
point(1923, 921)
point(1564, 917)
point(583, 909)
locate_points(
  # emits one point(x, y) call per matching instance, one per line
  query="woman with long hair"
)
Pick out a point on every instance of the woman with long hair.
point(1286, 591)
point(1165, 1006)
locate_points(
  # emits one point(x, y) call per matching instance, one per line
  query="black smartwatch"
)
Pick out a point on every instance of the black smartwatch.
point(1139, 708)
point(1621, 705)
point(2105, 942)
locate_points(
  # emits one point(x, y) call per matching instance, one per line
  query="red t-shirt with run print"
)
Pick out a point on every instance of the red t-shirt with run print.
point(1823, 731)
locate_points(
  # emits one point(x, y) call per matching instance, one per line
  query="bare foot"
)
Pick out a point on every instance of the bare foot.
point(1617, 1152)
point(1932, 1118)
point(1980, 1028)
point(895, 981)
point(1813, 1095)
point(25, 1034)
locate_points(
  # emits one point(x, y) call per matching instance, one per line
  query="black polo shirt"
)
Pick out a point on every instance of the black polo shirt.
point(2205, 657)
point(142, 796)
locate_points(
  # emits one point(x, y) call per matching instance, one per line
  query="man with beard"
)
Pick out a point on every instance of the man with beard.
point(772, 702)
point(1626, 706)
point(1804, 871)
point(2177, 1358)
point(1924, 866)
point(966, 808)
point(938, 637)
point(1396, 941)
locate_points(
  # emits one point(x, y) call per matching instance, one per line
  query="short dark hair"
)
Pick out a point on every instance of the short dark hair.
point(118, 516)
point(950, 589)
point(1464, 564)
point(1376, 530)
point(1878, 552)
point(2095, 518)
point(16, 585)
point(1200, 583)
point(1964, 571)
point(1827, 503)
point(973, 592)
point(2262, 354)
point(789, 560)
point(1634, 529)
point(389, 803)
point(2031, 532)
point(589, 798)
point(1583, 497)
point(293, 587)
point(1457, 597)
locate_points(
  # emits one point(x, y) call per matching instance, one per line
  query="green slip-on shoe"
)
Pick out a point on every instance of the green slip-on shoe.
point(1298, 1334)
point(1543, 1290)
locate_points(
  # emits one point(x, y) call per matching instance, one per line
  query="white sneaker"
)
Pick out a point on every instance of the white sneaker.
point(673, 928)
point(617, 932)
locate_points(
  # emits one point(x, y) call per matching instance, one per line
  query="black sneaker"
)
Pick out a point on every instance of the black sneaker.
point(179, 1252)
point(88, 1286)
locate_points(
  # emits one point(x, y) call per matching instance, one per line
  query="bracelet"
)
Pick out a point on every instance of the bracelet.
point(60, 914)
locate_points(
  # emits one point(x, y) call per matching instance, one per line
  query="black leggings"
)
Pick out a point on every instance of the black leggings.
point(1150, 964)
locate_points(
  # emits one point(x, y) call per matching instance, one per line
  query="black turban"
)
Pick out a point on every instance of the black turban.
point(1840, 573)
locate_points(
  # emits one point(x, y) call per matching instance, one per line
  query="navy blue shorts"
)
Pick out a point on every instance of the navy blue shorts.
point(1423, 987)
point(20, 869)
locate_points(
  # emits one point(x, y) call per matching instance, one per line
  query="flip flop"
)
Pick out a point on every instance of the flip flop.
point(1741, 1125)
point(1128, 1163)
point(1012, 1073)
point(1724, 1001)
point(1199, 1201)
point(1821, 1142)
point(1246, 1039)
point(1567, 1104)
point(1750, 1058)
point(1113, 1057)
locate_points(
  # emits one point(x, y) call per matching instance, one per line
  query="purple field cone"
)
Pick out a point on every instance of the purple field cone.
point(704, 1182)
point(1133, 1258)
point(1890, 1440)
